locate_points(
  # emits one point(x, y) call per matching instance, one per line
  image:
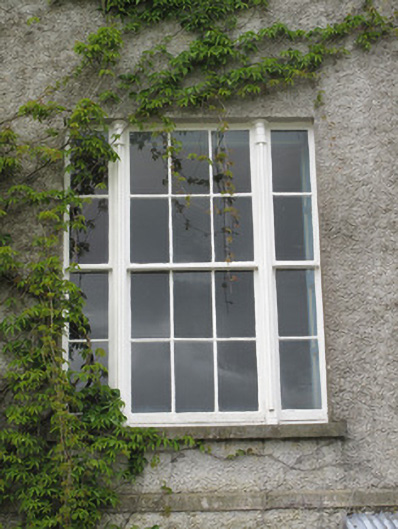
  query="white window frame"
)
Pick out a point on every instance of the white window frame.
point(294, 415)
point(264, 267)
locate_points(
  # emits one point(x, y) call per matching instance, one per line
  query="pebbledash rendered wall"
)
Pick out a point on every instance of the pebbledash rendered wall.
point(292, 477)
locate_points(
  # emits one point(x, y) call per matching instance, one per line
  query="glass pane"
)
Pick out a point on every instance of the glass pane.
point(300, 384)
point(149, 230)
point(233, 229)
point(90, 245)
point(290, 161)
point(194, 377)
point(293, 228)
point(235, 304)
point(148, 167)
point(95, 292)
point(150, 306)
point(191, 230)
point(237, 376)
point(296, 302)
point(100, 355)
point(192, 305)
point(87, 186)
point(90, 175)
point(190, 165)
point(231, 161)
point(150, 377)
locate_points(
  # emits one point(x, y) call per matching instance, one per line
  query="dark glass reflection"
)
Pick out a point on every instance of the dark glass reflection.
point(150, 377)
point(80, 355)
point(293, 228)
point(194, 376)
point(296, 302)
point(89, 245)
point(231, 161)
point(150, 306)
point(233, 229)
point(290, 161)
point(90, 166)
point(190, 163)
point(235, 304)
point(192, 305)
point(299, 368)
point(191, 230)
point(95, 292)
point(237, 376)
point(148, 163)
point(149, 230)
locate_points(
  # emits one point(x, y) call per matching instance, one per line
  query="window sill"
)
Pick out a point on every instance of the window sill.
point(335, 429)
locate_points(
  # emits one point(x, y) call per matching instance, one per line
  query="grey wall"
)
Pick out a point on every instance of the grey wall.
point(291, 483)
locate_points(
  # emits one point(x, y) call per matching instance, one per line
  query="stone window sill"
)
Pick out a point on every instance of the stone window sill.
point(335, 429)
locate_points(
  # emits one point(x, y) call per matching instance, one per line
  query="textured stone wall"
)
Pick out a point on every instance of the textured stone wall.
point(289, 483)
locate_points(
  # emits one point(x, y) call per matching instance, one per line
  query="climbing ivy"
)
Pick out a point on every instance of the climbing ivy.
point(192, 15)
point(64, 444)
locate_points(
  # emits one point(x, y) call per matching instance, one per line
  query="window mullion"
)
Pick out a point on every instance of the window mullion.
point(266, 324)
point(120, 293)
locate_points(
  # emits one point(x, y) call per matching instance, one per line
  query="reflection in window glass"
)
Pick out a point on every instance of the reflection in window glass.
point(191, 230)
point(235, 304)
point(148, 163)
point(150, 306)
point(290, 161)
point(89, 245)
point(150, 377)
point(233, 229)
point(79, 356)
point(192, 305)
point(194, 377)
point(90, 175)
point(95, 291)
point(231, 161)
point(299, 368)
point(296, 302)
point(237, 376)
point(149, 230)
point(190, 162)
point(293, 228)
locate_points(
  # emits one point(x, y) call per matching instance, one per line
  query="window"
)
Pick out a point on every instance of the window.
point(201, 272)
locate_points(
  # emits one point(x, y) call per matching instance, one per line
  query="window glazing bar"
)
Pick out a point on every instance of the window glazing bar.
point(292, 193)
point(315, 337)
point(243, 265)
point(82, 268)
point(295, 264)
point(159, 340)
